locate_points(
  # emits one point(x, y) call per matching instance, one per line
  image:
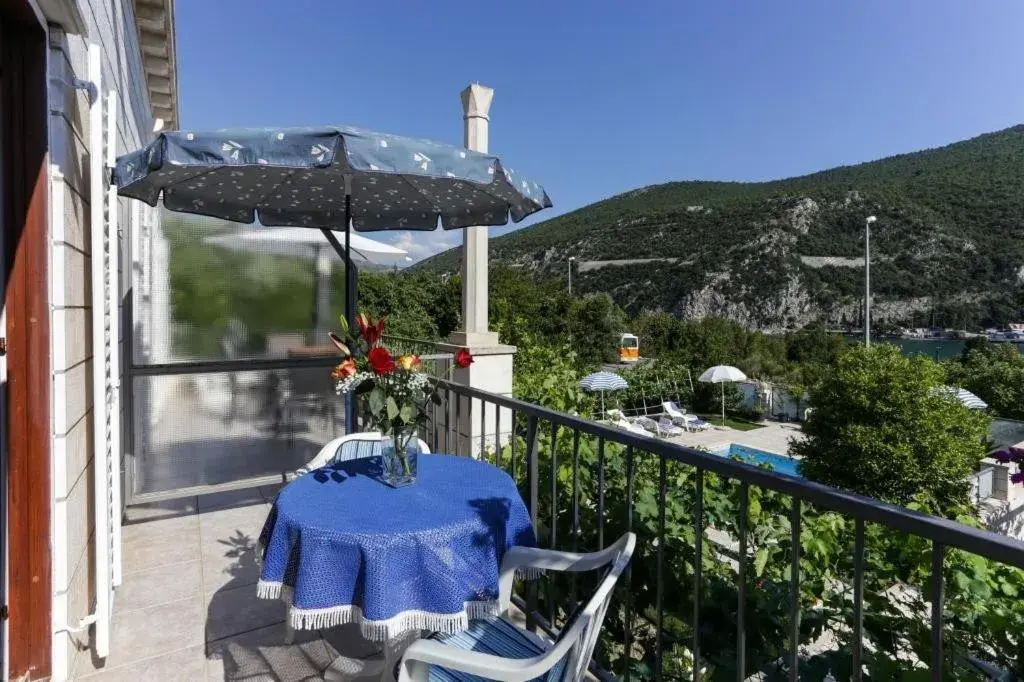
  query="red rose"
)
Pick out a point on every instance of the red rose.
point(371, 331)
point(381, 361)
point(463, 358)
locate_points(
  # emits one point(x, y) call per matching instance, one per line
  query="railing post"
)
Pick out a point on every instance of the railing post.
point(698, 565)
point(794, 591)
point(858, 600)
point(532, 504)
point(741, 606)
point(938, 602)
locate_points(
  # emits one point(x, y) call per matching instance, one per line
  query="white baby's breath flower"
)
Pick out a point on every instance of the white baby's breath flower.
point(349, 384)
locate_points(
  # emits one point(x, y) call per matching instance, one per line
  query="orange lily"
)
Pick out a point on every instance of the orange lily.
point(344, 370)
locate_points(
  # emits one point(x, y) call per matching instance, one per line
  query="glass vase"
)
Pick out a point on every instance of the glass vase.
point(399, 451)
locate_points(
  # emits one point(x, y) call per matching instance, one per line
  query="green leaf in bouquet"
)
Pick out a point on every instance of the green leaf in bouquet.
point(392, 407)
point(407, 414)
point(376, 400)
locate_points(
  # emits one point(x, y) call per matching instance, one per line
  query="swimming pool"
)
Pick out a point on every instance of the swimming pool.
point(779, 463)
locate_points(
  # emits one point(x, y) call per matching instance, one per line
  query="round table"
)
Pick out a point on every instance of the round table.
point(339, 546)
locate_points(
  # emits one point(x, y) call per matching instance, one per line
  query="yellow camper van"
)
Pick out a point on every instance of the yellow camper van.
point(629, 348)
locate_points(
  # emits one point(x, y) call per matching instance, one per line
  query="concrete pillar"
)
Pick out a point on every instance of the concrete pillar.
point(492, 369)
point(476, 105)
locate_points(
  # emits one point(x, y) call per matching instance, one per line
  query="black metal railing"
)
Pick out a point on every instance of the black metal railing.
point(734, 575)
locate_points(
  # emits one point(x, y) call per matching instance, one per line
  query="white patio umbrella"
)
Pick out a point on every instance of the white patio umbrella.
point(301, 242)
point(721, 374)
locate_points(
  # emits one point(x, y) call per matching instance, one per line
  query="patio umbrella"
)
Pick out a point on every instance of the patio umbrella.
point(603, 381)
point(323, 177)
point(300, 242)
point(969, 400)
point(721, 374)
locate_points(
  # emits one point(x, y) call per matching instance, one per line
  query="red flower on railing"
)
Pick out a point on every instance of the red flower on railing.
point(380, 361)
point(463, 358)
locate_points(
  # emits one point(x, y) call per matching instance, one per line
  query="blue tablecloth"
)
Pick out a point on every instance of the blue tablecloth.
point(339, 546)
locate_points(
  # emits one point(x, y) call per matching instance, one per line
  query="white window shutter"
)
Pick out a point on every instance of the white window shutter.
point(113, 316)
point(105, 300)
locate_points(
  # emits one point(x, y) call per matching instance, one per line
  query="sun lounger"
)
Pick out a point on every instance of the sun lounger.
point(631, 428)
point(698, 424)
point(669, 429)
point(647, 424)
point(678, 415)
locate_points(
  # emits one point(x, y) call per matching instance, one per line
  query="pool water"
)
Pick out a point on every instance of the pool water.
point(779, 463)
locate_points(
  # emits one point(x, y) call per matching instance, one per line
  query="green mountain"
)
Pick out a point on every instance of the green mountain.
point(948, 246)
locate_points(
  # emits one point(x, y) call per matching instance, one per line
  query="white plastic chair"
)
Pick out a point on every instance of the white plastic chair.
point(523, 655)
point(346, 448)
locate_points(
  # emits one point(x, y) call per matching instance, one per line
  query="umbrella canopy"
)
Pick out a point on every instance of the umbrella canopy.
point(603, 381)
point(721, 374)
point(302, 177)
point(969, 400)
point(323, 177)
point(302, 243)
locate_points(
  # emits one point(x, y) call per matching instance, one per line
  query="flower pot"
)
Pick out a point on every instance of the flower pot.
point(399, 453)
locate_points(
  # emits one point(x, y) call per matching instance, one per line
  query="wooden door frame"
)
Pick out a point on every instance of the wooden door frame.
point(24, 133)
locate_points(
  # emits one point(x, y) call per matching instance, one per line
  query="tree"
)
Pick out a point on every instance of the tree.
point(882, 426)
point(814, 344)
point(595, 326)
point(658, 333)
point(995, 373)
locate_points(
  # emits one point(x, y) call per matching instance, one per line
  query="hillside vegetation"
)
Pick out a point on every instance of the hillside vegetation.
point(947, 246)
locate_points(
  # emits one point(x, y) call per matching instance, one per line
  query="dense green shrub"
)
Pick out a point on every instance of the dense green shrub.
point(882, 425)
point(995, 373)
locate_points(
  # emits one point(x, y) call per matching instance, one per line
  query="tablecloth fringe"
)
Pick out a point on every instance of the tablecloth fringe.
point(375, 630)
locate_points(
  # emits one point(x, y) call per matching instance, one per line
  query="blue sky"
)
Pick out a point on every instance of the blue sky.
point(595, 98)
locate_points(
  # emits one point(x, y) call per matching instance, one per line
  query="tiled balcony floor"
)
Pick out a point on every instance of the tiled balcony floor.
point(187, 608)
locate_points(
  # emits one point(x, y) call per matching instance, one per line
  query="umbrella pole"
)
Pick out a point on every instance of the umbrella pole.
point(345, 252)
point(722, 384)
point(351, 282)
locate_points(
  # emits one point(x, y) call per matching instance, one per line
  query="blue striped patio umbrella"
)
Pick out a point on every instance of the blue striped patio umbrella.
point(969, 400)
point(603, 381)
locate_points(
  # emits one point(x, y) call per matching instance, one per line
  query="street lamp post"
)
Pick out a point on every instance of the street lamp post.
point(867, 279)
point(572, 259)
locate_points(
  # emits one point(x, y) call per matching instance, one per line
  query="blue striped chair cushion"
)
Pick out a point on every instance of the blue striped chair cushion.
point(492, 636)
point(356, 449)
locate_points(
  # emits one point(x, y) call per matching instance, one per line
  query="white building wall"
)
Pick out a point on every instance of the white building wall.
point(111, 25)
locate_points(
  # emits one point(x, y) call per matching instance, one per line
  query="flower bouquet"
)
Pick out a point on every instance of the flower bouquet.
point(397, 392)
